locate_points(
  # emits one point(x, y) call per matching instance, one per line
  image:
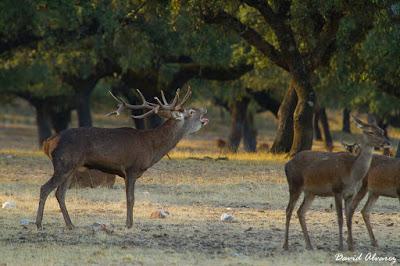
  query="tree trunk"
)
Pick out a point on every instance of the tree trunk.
point(43, 123)
point(60, 120)
point(317, 130)
point(346, 121)
point(325, 127)
point(284, 134)
point(249, 134)
point(153, 121)
point(398, 150)
point(83, 107)
point(238, 116)
point(303, 114)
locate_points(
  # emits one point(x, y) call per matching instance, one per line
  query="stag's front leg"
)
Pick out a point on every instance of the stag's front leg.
point(130, 181)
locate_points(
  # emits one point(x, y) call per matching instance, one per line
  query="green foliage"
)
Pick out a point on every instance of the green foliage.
point(358, 73)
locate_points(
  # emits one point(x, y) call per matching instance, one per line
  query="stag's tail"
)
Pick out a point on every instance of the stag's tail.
point(50, 144)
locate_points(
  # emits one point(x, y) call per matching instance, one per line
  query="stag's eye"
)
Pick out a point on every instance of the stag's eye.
point(191, 112)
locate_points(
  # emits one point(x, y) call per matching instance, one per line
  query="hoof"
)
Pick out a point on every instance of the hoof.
point(285, 247)
point(70, 227)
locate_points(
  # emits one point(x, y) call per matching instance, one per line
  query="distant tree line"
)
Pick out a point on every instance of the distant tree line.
point(292, 58)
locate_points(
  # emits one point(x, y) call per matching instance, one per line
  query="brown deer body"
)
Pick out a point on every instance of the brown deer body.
point(383, 179)
point(328, 174)
point(126, 152)
point(82, 177)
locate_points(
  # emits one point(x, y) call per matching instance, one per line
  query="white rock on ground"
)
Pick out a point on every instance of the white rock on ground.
point(160, 214)
point(226, 217)
point(9, 205)
point(26, 222)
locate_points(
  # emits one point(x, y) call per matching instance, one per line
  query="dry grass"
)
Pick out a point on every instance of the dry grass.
point(195, 189)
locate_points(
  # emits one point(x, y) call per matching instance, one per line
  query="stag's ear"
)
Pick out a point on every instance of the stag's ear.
point(177, 115)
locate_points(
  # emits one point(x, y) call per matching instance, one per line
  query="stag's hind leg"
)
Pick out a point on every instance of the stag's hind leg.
point(294, 196)
point(60, 195)
point(45, 190)
point(301, 212)
point(372, 198)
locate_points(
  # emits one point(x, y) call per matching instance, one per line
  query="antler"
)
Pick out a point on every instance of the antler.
point(185, 98)
point(122, 105)
point(168, 106)
point(154, 108)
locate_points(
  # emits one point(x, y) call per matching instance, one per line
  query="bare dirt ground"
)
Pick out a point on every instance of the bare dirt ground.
point(195, 190)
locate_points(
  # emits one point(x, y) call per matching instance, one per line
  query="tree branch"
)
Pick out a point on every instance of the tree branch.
point(265, 9)
point(326, 42)
point(388, 88)
point(190, 71)
point(249, 34)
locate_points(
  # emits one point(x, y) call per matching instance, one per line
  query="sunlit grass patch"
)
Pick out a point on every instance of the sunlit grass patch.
point(22, 153)
point(240, 156)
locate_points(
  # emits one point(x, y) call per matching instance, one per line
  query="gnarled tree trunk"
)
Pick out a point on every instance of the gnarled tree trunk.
point(153, 121)
point(398, 150)
point(83, 106)
point(238, 116)
point(346, 121)
point(60, 120)
point(303, 114)
point(249, 134)
point(43, 122)
point(317, 130)
point(325, 127)
point(284, 134)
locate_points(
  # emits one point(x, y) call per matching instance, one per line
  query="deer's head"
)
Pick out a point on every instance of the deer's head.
point(193, 119)
point(374, 136)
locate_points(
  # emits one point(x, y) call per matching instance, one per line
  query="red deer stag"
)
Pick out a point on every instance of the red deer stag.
point(330, 174)
point(126, 152)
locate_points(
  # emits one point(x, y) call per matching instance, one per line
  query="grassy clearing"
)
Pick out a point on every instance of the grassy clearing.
point(196, 189)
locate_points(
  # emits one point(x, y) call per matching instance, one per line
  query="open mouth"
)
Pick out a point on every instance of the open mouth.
point(204, 121)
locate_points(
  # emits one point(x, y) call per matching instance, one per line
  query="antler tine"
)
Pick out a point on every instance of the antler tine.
point(121, 106)
point(116, 98)
point(163, 98)
point(186, 97)
point(176, 98)
point(166, 105)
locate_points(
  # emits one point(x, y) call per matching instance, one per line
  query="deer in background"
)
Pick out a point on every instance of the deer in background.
point(383, 179)
point(126, 152)
point(330, 174)
point(353, 148)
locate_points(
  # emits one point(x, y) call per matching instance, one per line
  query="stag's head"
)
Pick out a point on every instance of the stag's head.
point(191, 118)
point(374, 136)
